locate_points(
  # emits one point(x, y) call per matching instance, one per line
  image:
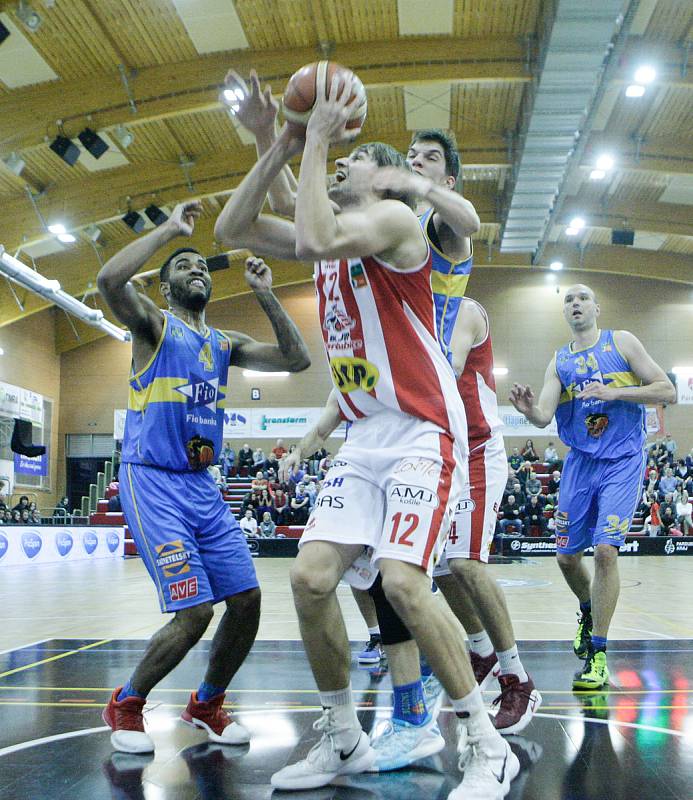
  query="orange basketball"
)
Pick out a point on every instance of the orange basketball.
point(300, 93)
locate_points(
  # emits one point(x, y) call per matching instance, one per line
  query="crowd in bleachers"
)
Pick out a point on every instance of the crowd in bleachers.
point(23, 513)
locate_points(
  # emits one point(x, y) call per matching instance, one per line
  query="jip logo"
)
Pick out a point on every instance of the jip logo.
point(31, 544)
point(63, 543)
point(90, 541)
point(113, 540)
point(4, 544)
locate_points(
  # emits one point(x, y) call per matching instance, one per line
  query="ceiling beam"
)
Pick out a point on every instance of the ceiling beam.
point(103, 196)
point(641, 216)
point(188, 86)
point(650, 154)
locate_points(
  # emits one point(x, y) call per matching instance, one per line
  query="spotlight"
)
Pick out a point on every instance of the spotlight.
point(556, 266)
point(597, 175)
point(500, 370)
point(92, 142)
point(605, 162)
point(571, 231)
point(28, 16)
point(635, 90)
point(135, 221)
point(578, 223)
point(15, 164)
point(66, 238)
point(67, 150)
point(645, 74)
point(155, 214)
point(4, 33)
point(123, 136)
point(232, 98)
point(57, 228)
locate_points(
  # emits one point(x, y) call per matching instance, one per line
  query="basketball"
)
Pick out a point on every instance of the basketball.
point(300, 93)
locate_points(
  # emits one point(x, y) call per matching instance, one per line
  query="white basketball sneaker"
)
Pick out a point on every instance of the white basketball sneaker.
point(489, 766)
point(398, 744)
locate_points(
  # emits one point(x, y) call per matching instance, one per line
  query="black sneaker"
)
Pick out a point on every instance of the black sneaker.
point(583, 637)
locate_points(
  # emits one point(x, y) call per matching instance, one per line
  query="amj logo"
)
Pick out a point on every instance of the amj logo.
point(414, 495)
point(349, 374)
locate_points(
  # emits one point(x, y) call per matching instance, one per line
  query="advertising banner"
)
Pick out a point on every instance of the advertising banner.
point(515, 424)
point(23, 465)
point(47, 544)
point(31, 406)
point(635, 546)
point(684, 389)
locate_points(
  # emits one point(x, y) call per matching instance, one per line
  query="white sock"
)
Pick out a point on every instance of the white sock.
point(374, 631)
point(344, 712)
point(510, 663)
point(475, 719)
point(480, 644)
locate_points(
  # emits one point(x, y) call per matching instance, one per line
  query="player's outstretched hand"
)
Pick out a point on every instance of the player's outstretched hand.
point(288, 462)
point(400, 181)
point(258, 275)
point(255, 108)
point(598, 391)
point(330, 114)
point(522, 397)
point(182, 219)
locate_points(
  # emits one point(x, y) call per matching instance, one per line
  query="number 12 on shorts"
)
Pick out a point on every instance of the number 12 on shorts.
point(410, 523)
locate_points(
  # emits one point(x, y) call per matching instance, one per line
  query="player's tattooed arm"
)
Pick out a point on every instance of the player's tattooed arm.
point(291, 352)
point(538, 412)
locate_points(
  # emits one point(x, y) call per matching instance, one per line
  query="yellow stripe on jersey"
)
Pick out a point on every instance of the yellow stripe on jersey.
point(622, 379)
point(567, 394)
point(450, 285)
point(160, 390)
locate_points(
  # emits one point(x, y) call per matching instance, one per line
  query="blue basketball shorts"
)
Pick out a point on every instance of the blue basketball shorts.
point(597, 499)
point(189, 541)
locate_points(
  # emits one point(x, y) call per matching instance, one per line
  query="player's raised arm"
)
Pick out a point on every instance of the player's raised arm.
point(470, 329)
point(132, 308)
point(290, 353)
point(540, 412)
point(655, 388)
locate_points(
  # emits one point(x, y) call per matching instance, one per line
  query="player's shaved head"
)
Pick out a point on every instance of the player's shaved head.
point(581, 288)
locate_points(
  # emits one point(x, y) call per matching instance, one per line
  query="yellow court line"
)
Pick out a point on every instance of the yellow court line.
point(53, 658)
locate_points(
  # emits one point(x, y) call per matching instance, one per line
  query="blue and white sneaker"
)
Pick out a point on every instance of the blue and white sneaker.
point(434, 695)
point(398, 744)
point(373, 652)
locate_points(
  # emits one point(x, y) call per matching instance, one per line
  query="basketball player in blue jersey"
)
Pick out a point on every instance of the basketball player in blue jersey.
point(596, 386)
point(190, 543)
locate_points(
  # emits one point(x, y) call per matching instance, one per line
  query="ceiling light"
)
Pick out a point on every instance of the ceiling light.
point(2, 352)
point(605, 162)
point(597, 175)
point(570, 231)
point(28, 16)
point(57, 228)
point(123, 136)
point(155, 214)
point(4, 33)
point(92, 142)
point(254, 373)
point(135, 221)
point(66, 238)
point(15, 164)
point(67, 150)
point(645, 74)
point(232, 98)
point(556, 266)
point(635, 90)
point(577, 222)
point(500, 370)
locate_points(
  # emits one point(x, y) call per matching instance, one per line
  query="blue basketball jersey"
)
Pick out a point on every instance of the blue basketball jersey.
point(612, 429)
point(175, 416)
point(449, 283)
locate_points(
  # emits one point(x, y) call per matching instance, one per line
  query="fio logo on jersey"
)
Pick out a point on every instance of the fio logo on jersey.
point(201, 393)
point(350, 373)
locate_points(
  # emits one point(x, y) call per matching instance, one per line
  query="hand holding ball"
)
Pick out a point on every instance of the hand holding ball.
point(303, 93)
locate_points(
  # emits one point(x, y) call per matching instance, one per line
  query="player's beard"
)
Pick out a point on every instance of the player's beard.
point(190, 301)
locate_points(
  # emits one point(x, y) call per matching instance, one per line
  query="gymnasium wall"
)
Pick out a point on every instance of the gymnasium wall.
point(30, 361)
point(526, 318)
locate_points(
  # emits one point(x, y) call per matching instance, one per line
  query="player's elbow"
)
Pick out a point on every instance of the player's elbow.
point(106, 282)
point(283, 207)
point(224, 231)
point(299, 363)
point(671, 397)
point(309, 249)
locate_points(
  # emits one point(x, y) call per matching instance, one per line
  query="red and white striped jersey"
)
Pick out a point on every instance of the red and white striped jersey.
point(477, 388)
point(379, 330)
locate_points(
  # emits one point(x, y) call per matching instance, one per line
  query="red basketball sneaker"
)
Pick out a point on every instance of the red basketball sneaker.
point(211, 717)
point(125, 719)
point(485, 669)
point(517, 703)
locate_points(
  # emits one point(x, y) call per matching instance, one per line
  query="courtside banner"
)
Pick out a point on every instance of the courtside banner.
point(634, 546)
point(48, 544)
point(516, 424)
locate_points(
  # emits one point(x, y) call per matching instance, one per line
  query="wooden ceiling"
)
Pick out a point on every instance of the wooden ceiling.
point(483, 60)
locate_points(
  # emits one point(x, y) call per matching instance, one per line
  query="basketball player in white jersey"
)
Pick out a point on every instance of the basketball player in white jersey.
point(376, 308)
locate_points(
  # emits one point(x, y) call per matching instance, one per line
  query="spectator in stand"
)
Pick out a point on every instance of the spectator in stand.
point(245, 457)
point(512, 515)
point(661, 456)
point(271, 464)
point(7, 517)
point(515, 460)
point(267, 527)
point(282, 512)
point(523, 473)
point(534, 515)
point(258, 458)
point(311, 489)
point(652, 523)
point(671, 447)
point(215, 471)
point(667, 483)
point(651, 483)
point(36, 517)
point(684, 512)
point(552, 488)
point(300, 506)
point(528, 452)
point(25, 516)
point(315, 459)
point(324, 466)
point(259, 482)
point(264, 505)
point(667, 520)
point(16, 516)
point(249, 503)
point(22, 504)
point(114, 504)
point(551, 457)
point(227, 459)
point(248, 524)
point(533, 486)
point(296, 476)
point(668, 502)
point(518, 491)
point(689, 460)
point(279, 450)
point(688, 485)
point(62, 509)
point(681, 470)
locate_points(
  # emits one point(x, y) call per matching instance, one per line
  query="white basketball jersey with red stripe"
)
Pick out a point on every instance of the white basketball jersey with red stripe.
point(477, 387)
point(378, 326)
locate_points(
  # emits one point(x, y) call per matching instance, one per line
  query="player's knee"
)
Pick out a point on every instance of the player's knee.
point(399, 592)
point(465, 570)
point(605, 556)
point(568, 561)
point(195, 620)
point(310, 583)
point(246, 604)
